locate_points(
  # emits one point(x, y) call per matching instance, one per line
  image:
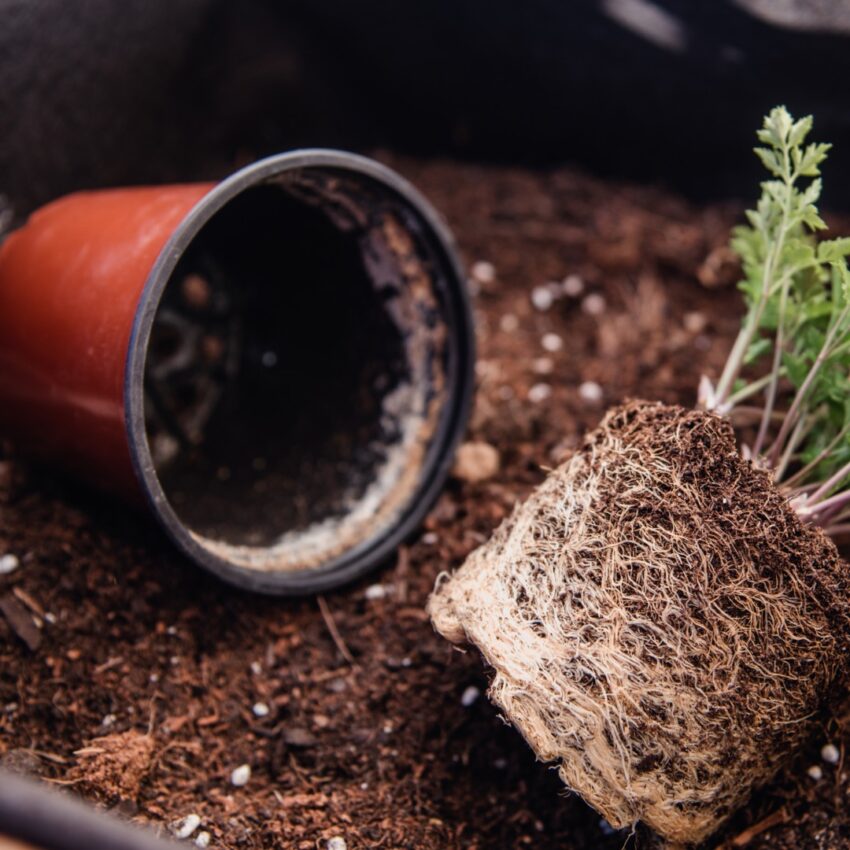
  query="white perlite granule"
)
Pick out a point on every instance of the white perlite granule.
point(483, 272)
point(552, 342)
point(241, 775)
point(539, 392)
point(8, 564)
point(185, 827)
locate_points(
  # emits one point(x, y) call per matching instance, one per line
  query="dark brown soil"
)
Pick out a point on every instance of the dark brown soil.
point(383, 751)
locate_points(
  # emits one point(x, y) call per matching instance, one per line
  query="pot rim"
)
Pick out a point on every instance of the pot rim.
point(50, 820)
point(370, 552)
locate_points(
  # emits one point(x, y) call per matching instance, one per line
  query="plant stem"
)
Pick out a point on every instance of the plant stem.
point(774, 372)
point(839, 500)
point(841, 516)
point(831, 482)
point(742, 343)
point(795, 409)
point(736, 356)
point(803, 427)
point(799, 491)
point(800, 474)
point(750, 390)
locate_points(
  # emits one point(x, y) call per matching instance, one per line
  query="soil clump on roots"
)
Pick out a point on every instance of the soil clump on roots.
point(660, 622)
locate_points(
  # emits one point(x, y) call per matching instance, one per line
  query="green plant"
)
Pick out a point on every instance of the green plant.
point(655, 612)
point(797, 326)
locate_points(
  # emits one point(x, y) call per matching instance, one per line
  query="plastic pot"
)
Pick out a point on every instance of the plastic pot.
point(34, 818)
point(279, 366)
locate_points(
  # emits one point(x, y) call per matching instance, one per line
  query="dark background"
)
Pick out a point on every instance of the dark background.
point(100, 92)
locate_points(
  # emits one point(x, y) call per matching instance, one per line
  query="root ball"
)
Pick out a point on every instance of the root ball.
point(659, 622)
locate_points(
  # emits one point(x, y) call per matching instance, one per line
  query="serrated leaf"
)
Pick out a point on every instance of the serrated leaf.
point(813, 156)
point(792, 284)
point(769, 160)
point(812, 192)
point(779, 121)
point(799, 131)
point(833, 250)
point(754, 218)
point(812, 220)
point(812, 311)
point(799, 254)
point(777, 189)
point(767, 136)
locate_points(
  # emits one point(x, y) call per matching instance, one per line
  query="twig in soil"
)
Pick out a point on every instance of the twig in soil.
point(266, 732)
point(209, 719)
point(24, 597)
point(779, 816)
point(401, 571)
point(108, 665)
point(20, 621)
point(334, 631)
point(51, 757)
point(412, 614)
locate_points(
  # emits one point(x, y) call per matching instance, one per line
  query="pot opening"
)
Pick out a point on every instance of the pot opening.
point(295, 372)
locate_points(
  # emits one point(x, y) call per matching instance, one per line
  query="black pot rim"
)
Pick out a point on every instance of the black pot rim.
point(48, 820)
point(360, 559)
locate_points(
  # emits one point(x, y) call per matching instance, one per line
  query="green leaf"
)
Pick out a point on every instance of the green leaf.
point(833, 250)
point(796, 368)
point(799, 131)
point(797, 294)
point(842, 279)
point(757, 349)
point(813, 220)
point(799, 255)
point(813, 155)
point(778, 123)
point(769, 160)
point(811, 194)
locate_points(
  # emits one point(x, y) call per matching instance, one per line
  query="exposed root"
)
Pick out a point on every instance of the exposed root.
point(658, 619)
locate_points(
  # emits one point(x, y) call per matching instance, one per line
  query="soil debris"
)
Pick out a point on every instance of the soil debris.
point(476, 462)
point(21, 621)
point(299, 736)
point(113, 767)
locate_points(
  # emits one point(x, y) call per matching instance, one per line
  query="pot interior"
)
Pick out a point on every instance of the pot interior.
point(295, 373)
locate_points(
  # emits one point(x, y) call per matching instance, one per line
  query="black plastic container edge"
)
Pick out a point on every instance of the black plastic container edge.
point(359, 560)
point(50, 820)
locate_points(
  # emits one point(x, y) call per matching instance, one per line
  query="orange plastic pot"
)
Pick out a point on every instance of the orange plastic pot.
point(280, 366)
